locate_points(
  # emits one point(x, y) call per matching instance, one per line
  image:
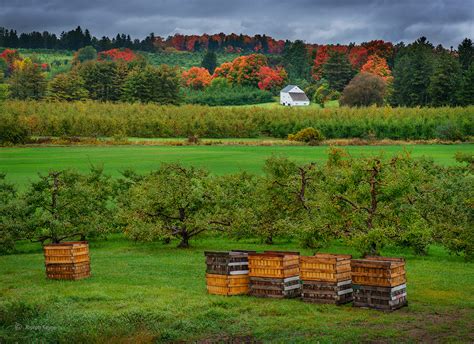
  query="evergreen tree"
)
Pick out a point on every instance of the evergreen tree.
point(296, 61)
point(466, 53)
point(209, 61)
point(338, 70)
point(412, 74)
point(445, 81)
point(103, 80)
point(466, 91)
point(85, 54)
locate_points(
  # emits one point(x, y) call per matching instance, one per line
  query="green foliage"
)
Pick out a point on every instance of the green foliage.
point(445, 80)
point(65, 204)
point(338, 71)
point(85, 54)
point(364, 90)
point(67, 87)
point(12, 130)
point(27, 82)
point(221, 92)
point(137, 120)
point(412, 74)
point(4, 92)
point(173, 201)
point(308, 135)
point(152, 84)
point(103, 80)
point(296, 62)
point(322, 94)
point(11, 215)
point(209, 61)
point(466, 90)
point(466, 53)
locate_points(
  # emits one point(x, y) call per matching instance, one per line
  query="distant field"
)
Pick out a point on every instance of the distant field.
point(22, 164)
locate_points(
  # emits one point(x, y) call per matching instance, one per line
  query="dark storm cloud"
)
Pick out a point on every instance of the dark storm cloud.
point(316, 21)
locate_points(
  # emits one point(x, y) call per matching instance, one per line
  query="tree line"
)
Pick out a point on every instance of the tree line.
point(369, 203)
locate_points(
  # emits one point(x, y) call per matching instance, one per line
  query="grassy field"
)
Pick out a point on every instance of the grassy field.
point(22, 163)
point(142, 293)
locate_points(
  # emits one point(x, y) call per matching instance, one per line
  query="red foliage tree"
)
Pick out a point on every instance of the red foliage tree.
point(272, 79)
point(379, 47)
point(378, 66)
point(197, 78)
point(358, 57)
point(10, 56)
point(245, 69)
point(223, 70)
point(322, 56)
point(126, 55)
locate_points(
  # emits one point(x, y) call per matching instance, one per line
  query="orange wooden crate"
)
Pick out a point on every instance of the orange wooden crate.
point(378, 271)
point(326, 267)
point(227, 284)
point(71, 252)
point(273, 264)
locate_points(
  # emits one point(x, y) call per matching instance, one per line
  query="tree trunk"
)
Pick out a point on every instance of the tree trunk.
point(269, 240)
point(184, 240)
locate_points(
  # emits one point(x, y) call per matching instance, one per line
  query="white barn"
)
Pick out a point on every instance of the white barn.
point(292, 95)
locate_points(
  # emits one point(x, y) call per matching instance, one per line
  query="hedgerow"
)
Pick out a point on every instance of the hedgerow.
point(149, 120)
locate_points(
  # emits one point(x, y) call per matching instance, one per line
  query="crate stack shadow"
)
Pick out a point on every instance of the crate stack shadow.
point(227, 273)
point(67, 261)
point(326, 278)
point(274, 274)
point(379, 283)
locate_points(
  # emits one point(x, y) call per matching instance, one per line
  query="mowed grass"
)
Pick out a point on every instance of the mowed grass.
point(23, 163)
point(151, 292)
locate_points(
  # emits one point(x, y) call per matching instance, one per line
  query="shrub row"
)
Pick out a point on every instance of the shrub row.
point(140, 120)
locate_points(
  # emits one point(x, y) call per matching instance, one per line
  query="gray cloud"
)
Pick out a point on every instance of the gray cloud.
point(315, 21)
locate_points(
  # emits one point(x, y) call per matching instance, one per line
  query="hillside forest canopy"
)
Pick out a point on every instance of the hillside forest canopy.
point(234, 70)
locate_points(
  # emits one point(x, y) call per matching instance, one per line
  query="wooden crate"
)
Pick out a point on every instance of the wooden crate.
point(273, 265)
point(275, 287)
point(326, 267)
point(327, 292)
point(68, 252)
point(383, 298)
point(227, 284)
point(227, 263)
point(378, 271)
point(67, 261)
point(68, 271)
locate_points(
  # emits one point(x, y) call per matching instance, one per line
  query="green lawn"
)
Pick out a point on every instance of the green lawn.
point(151, 292)
point(22, 163)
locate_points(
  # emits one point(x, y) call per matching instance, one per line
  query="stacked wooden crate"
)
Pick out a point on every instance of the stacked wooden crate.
point(67, 261)
point(274, 274)
point(326, 278)
point(379, 283)
point(227, 272)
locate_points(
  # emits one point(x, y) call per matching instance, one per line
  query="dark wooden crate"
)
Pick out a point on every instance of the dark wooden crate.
point(275, 287)
point(378, 271)
point(227, 263)
point(383, 298)
point(327, 292)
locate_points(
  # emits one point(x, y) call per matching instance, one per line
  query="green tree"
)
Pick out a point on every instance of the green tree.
point(152, 84)
point(412, 74)
point(296, 61)
point(103, 80)
point(209, 61)
point(338, 70)
point(466, 53)
point(445, 80)
point(27, 81)
point(87, 53)
point(466, 90)
point(11, 216)
point(364, 90)
point(172, 202)
point(322, 94)
point(65, 204)
point(67, 87)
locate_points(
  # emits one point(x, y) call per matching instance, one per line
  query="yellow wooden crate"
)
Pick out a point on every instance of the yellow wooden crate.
point(326, 267)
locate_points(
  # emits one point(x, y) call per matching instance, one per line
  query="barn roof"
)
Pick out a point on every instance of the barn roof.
point(298, 97)
point(288, 88)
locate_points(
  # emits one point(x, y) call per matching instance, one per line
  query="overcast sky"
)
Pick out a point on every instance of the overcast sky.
point(314, 21)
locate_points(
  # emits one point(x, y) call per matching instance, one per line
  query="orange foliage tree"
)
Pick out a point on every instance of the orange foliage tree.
point(378, 66)
point(272, 79)
point(223, 70)
point(322, 56)
point(197, 78)
point(245, 69)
